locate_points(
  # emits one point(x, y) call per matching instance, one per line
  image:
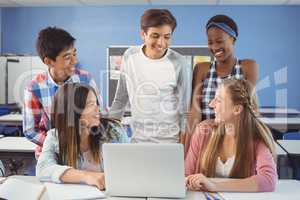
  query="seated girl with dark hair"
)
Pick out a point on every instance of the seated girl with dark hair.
point(72, 149)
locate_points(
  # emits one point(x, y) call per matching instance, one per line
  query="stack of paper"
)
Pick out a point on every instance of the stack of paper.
point(16, 189)
point(73, 191)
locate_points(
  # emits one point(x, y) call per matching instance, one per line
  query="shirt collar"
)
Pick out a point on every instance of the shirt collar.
point(52, 82)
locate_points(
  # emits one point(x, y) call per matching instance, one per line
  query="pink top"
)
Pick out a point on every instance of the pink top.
point(264, 172)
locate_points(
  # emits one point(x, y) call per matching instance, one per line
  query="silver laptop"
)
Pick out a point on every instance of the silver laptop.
point(144, 170)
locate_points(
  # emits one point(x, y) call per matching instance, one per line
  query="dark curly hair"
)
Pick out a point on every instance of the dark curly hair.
point(51, 41)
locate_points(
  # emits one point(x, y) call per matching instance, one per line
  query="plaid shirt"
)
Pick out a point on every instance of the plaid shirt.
point(37, 104)
point(210, 86)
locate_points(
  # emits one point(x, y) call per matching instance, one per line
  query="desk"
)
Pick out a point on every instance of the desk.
point(45, 196)
point(11, 120)
point(15, 151)
point(16, 145)
point(293, 149)
point(277, 112)
point(284, 169)
point(279, 150)
point(291, 146)
point(284, 189)
point(190, 195)
point(282, 124)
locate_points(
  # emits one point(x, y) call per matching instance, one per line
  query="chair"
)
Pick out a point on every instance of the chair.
point(295, 159)
point(2, 169)
point(10, 130)
point(8, 108)
point(291, 136)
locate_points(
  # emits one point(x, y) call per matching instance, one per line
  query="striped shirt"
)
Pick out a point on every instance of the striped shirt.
point(210, 86)
point(37, 104)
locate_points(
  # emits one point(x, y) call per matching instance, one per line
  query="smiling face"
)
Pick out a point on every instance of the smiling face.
point(63, 66)
point(223, 106)
point(157, 40)
point(220, 44)
point(90, 114)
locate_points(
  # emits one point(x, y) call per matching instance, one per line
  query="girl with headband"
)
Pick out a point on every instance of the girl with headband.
point(222, 33)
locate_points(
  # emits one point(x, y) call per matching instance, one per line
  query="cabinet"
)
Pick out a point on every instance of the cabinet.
point(2, 79)
point(19, 71)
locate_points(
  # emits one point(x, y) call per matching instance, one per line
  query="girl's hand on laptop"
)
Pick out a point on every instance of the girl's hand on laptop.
point(200, 182)
point(96, 179)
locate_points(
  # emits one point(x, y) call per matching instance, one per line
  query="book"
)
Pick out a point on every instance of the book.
point(73, 191)
point(16, 189)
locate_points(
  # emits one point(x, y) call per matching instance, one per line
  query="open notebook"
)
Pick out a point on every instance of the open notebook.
point(15, 189)
point(73, 191)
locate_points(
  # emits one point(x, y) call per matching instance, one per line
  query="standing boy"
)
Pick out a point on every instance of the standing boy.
point(56, 48)
point(156, 81)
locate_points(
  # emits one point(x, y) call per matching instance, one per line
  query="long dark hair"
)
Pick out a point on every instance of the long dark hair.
point(68, 104)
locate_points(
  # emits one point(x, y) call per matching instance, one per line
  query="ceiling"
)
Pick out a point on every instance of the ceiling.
point(30, 3)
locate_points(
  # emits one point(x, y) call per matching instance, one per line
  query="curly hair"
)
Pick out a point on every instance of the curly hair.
point(51, 41)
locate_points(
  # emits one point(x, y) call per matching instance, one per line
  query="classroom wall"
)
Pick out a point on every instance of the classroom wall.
point(0, 28)
point(268, 34)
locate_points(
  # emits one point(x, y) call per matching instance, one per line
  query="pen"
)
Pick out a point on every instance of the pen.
point(207, 196)
point(214, 196)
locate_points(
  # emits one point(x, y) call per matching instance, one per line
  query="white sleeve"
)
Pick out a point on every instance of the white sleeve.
point(47, 168)
point(121, 97)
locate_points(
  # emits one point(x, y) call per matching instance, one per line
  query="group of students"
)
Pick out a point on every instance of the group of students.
point(210, 109)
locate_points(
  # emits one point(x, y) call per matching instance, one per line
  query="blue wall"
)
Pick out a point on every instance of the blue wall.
point(270, 35)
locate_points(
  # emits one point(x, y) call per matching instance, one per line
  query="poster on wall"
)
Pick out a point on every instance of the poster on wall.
point(201, 59)
point(115, 67)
